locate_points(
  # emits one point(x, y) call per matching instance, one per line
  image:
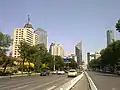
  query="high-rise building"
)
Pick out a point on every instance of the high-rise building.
point(56, 50)
point(78, 52)
point(27, 34)
point(110, 37)
point(52, 49)
point(92, 56)
point(42, 35)
point(59, 50)
point(35, 39)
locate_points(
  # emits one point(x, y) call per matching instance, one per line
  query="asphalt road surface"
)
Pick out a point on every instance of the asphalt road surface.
point(104, 81)
point(35, 82)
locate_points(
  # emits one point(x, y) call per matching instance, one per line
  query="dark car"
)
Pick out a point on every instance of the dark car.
point(44, 73)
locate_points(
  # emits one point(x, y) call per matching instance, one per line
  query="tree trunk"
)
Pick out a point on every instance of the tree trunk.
point(35, 66)
point(23, 65)
point(4, 69)
point(29, 68)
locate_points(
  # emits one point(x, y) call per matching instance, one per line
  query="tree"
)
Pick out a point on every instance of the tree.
point(8, 61)
point(5, 42)
point(110, 55)
point(42, 52)
point(59, 63)
point(34, 56)
point(23, 50)
point(118, 26)
point(73, 64)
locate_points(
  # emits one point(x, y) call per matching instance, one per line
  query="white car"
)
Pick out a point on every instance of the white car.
point(54, 72)
point(60, 72)
point(72, 72)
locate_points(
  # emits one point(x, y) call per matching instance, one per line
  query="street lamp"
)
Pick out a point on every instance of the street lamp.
point(54, 51)
point(54, 62)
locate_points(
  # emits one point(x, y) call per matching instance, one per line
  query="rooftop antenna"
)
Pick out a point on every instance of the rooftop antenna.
point(28, 19)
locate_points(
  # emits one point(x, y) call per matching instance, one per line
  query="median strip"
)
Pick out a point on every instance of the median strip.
point(70, 84)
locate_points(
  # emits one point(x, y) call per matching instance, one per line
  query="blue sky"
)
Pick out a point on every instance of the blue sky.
point(67, 21)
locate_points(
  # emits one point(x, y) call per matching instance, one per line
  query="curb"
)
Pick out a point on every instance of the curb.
point(17, 75)
point(91, 83)
point(70, 84)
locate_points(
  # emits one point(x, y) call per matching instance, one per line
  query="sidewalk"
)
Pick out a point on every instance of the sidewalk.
point(81, 84)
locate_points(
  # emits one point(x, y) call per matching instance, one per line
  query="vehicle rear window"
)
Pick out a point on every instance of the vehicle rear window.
point(72, 71)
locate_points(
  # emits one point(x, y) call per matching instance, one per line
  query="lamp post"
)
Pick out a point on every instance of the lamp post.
point(54, 62)
point(54, 53)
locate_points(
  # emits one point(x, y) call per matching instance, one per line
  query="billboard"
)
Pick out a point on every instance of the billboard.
point(67, 60)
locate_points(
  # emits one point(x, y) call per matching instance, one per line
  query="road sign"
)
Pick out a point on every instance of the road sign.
point(67, 60)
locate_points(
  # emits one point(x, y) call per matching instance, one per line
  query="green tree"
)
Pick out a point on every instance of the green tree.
point(110, 55)
point(35, 56)
point(118, 25)
point(23, 50)
point(42, 52)
point(73, 64)
point(59, 63)
point(5, 42)
point(95, 64)
point(8, 61)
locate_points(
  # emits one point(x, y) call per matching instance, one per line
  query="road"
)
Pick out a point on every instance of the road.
point(35, 82)
point(104, 81)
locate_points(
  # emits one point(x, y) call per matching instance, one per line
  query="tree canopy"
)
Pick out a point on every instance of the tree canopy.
point(118, 25)
point(110, 56)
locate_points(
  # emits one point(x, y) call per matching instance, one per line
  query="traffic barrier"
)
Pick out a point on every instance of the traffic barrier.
point(91, 83)
point(70, 84)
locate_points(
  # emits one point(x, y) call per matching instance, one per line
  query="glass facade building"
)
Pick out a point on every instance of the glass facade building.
point(42, 36)
point(110, 36)
point(78, 52)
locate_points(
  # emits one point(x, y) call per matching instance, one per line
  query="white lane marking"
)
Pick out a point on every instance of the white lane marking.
point(14, 80)
point(113, 89)
point(45, 84)
point(51, 88)
point(19, 87)
point(2, 86)
point(15, 85)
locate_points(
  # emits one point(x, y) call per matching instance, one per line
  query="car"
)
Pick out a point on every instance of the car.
point(54, 72)
point(44, 73)
point(60, 72)
point(72, 73)
point(66, 71)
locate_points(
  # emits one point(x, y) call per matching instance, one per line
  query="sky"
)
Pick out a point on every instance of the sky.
point(66, 21)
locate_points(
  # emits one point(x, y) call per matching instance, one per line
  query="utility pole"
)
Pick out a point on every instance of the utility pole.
point(54, 62)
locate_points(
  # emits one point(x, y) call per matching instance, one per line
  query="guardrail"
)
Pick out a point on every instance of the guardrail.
point(70, 84)
point(91, 83)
